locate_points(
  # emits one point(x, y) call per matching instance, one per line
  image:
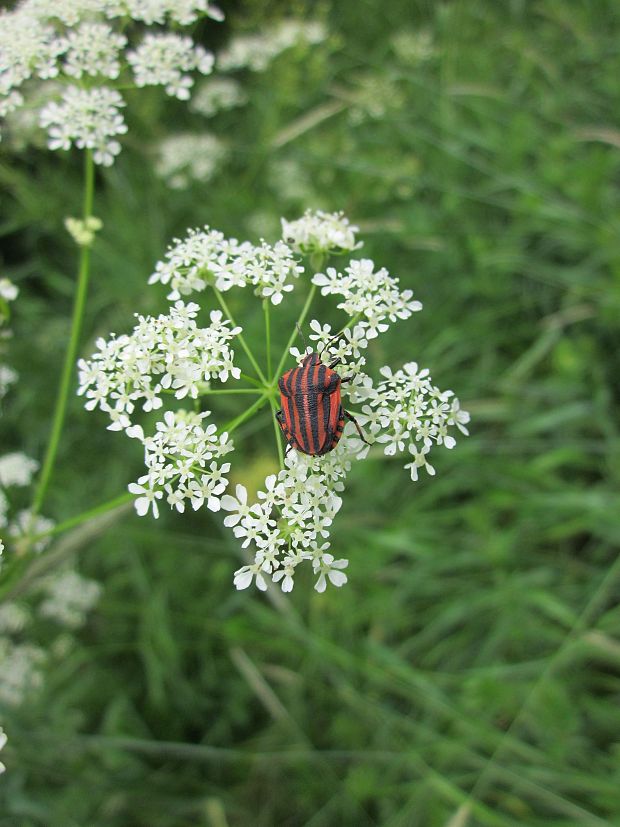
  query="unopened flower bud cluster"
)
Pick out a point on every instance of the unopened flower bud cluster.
point(85, 44)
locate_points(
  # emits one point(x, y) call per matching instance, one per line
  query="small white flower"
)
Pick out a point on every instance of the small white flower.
point(165, 60)
point(188, 157)
point(69, 598)
point(147, 497)
point(217, 94)
point(320, 232)
point(329, 569)
point(8, 291)
point(17, 469)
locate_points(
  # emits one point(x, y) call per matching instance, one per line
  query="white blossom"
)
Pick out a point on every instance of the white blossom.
point(20, 671)
point(188, 157)
point(371, 296)
point(93, 49)
point(217, 94)
point(183, 464)
point(90, 119)
point(207, 257)
point(320, 232)
point(13, 618)
point(167, 354)
point(8, 291)
point(41, 40)
point(17, 469)
point(24, 526)
point(69, 598)
point(257, 51)
point(2, 745)
point(166, 59)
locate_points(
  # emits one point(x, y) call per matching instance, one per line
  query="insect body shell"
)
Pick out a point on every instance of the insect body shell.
point(312, 418)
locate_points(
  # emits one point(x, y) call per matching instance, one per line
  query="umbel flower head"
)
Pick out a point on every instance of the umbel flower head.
point(88, 45)
point(178, 356)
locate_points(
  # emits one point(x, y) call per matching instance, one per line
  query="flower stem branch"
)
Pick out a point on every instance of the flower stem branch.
point(276, 429)
point(266, 304)
point(289, 344)
point(240, 336)
point(74, 337)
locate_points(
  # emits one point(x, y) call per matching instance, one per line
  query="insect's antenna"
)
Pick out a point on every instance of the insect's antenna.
point(301, 336)
point(333, 340)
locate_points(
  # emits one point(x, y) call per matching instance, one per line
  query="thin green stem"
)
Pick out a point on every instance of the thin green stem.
point(232, 424)
point(252, 381)
point(266, 304)
point(276, 429)
point(231, 391)
point(242, 341)
point(79, 305)
point(289, 344)
point(84, 517)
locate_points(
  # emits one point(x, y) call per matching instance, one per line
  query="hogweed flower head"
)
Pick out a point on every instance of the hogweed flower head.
point(173, 357)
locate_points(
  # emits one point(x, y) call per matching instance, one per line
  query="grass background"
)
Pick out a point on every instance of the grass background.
point(469, 674)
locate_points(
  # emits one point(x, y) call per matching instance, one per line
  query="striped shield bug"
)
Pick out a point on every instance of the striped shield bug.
point(312, 417)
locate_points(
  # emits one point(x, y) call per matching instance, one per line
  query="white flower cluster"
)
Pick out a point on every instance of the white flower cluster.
point(20, 670)
point(216, 95)
point(69, 598)
point(291, 521)
point(8, 293)
point(405, 411)
point(188, 157)
point(44, 39)
point(165, 60)
point(370, 296)
point(320, 232)
point(257, 51)
point(17, 469)
point(169, 353)
point(207, 257)
point(88, 118)
point(2, 744)
point(182, 462)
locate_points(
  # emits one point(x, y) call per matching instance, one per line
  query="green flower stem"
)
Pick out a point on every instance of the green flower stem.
point(232, 424)
point(71, 353)
point(276, 428)
point(84, 517)
point(231, 391)
point(266, 304)
point(252, 381)
point(300, 320)
point(242, 341)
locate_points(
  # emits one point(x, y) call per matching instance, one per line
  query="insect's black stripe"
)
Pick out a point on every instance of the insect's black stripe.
point(301, 402)
point(314, 388)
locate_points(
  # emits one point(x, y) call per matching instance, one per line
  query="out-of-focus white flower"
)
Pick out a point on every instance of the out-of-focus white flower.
point(13, 618)
point(88, 118)
point(414, 47)
point(2, 744)
point(8, 291)
point(166, 59)
point(216, 95)
point(8, 377)
point(69, 598)
point(188, 157)
point(24, 526)
point(206, 256)
point(93, 49)
point(320, 232)
point(77, 39)
point(371, 296)
point(83, 231)
point(17, 469)
point(20, 671)
point(257, 51)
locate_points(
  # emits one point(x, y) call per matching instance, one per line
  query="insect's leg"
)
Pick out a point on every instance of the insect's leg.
point(346, 378)
point(352, 419)
point(334, 362)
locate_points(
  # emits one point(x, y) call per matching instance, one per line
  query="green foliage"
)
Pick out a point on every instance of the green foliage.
point(469, 673)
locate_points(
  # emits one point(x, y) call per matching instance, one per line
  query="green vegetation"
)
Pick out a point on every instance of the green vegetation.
point(469, 673)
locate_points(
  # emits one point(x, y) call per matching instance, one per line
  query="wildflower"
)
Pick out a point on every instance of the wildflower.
point(21, 671)
point(25, 526)
point(69, 598)
point(165, 60)
point(8, 291)
point(257, 51)
point(41, 40)
point(17, 469)
point(88, 118)
point(217, 94)
point(320, 232)
point(186, 157)
point(2, 745)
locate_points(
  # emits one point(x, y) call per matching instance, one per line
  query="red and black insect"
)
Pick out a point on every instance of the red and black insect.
point(312, 417)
